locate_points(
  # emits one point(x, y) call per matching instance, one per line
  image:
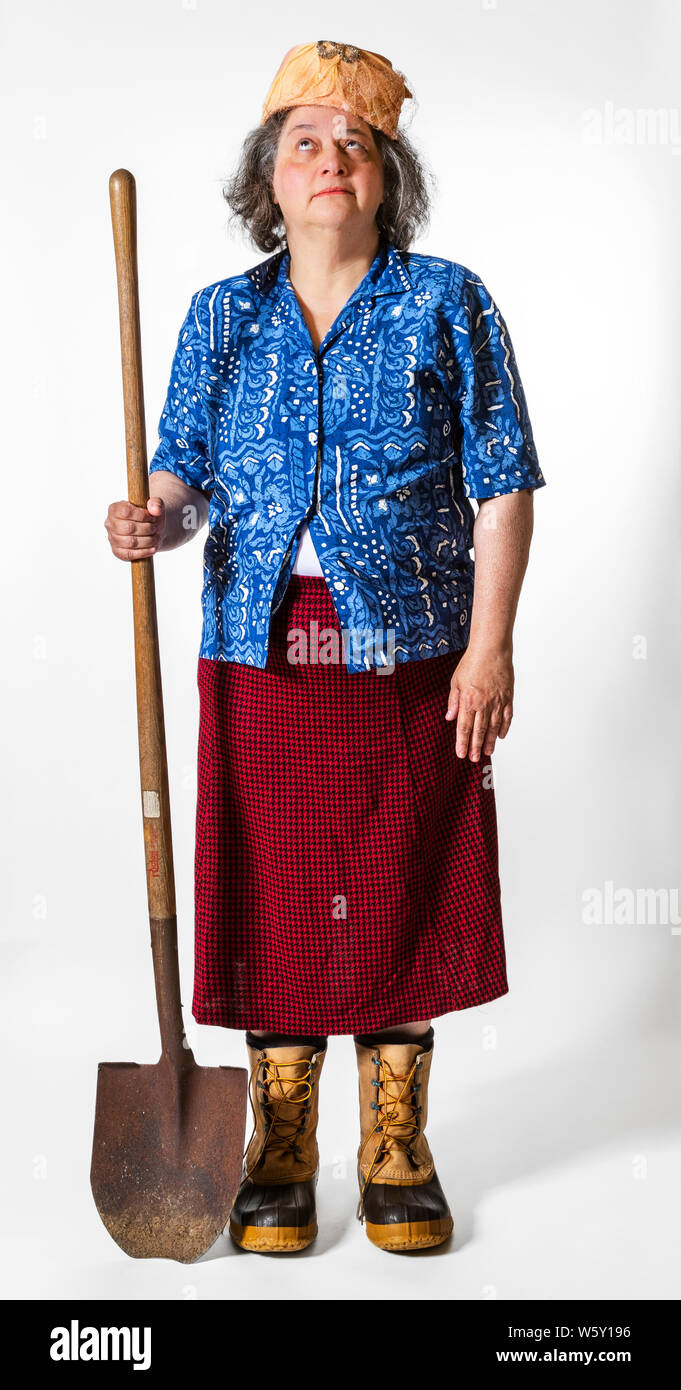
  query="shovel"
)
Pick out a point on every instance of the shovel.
point(168, 1138)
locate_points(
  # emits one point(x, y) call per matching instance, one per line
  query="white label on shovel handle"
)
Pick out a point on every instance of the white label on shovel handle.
point(151, 803)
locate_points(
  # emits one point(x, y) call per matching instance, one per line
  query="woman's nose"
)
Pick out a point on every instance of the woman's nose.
point(333, 165)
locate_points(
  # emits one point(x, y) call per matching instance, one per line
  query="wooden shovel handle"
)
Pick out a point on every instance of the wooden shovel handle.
point(150, 721)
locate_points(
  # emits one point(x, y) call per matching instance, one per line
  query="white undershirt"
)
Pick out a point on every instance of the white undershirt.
point(307, 560)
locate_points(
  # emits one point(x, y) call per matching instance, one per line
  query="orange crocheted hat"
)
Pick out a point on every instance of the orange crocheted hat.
point(327, 73)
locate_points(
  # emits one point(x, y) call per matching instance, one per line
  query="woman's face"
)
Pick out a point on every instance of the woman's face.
point(323, 148)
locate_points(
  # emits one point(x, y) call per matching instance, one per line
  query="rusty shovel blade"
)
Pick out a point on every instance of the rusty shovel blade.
point(167, 1155)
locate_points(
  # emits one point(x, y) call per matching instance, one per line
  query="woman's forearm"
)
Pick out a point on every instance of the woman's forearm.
point(186, 509)
point(501, 540)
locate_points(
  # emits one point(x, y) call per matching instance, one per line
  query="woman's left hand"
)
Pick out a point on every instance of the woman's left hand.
point(481, 700)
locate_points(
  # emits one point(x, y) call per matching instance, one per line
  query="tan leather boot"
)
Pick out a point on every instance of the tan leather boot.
point(401, 1199)
point(275, 1207)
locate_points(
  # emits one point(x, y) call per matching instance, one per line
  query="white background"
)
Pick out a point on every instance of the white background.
point(555, 1110)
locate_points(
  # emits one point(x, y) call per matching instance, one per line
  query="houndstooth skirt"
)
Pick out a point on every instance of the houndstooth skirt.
point(346, 867)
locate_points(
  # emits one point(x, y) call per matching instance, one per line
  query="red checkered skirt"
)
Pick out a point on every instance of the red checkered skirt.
point(346, 869)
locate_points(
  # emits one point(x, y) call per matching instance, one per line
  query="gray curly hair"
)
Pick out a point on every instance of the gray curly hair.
point(404, 212)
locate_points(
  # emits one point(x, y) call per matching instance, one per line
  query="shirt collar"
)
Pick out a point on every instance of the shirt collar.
point(387, 274)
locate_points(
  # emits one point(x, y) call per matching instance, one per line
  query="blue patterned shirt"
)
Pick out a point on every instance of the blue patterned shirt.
point(412, 405)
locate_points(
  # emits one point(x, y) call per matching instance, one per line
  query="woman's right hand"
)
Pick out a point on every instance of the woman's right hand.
point(135, 533)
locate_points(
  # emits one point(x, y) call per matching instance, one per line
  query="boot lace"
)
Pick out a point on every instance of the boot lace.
point(281, 1131)
point(395, 1133)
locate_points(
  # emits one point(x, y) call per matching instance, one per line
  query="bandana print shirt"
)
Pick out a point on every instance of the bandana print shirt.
point(412, 405)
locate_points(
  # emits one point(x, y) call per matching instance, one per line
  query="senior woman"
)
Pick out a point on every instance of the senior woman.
point(330, 412)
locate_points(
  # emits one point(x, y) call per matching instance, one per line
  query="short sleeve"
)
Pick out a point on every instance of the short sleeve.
point(498, 452)
point(183, 446)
